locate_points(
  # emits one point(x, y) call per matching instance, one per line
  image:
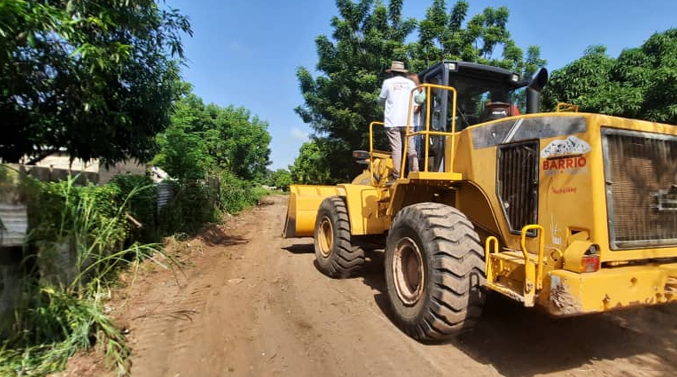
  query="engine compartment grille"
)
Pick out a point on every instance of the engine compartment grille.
point(517, 183)
point(641, 188)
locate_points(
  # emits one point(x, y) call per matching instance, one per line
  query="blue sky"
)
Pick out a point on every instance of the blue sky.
point(245, 53)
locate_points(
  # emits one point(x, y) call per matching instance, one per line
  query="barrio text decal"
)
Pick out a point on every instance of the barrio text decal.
point(569, 162)
point(565, 156)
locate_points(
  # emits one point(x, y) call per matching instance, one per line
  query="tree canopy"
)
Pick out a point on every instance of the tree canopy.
point(280, 178)
point(95, 77)
point(341, 101)
point(448, 34)
point(308, 167)
point(209, 138)
point(641, 83)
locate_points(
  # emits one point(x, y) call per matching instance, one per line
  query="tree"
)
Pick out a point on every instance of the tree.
point(450, 37)
point(585, 82)
point(641, 83)
point(209, 138)
point(443, 36)
point(238, 141)
point(182, 154)
point(342, 100)
point(96, 78)
point(310, 166)
point(280, 178)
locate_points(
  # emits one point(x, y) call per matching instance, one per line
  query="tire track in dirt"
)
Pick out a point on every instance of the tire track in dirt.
point(253, 304)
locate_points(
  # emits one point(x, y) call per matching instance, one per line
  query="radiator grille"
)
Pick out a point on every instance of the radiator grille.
point(641, 174)
point(517, 185)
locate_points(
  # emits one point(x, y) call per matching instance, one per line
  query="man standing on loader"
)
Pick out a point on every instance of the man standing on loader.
point(395, 94)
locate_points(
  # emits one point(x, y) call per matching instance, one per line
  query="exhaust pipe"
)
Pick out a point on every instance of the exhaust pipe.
point(534, 90)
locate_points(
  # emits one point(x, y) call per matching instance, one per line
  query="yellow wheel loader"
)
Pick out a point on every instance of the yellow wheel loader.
point(573, 212)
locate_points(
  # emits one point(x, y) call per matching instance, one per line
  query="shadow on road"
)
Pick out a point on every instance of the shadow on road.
point(522, 342)
point(214, 235)
point(302, 248)
point(372, 273)
point(266, 201)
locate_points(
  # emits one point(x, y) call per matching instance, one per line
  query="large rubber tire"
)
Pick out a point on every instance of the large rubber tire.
point(435, 271)
point(337, 256)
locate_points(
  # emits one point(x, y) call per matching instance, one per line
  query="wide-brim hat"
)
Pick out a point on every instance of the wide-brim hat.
point(397, 66)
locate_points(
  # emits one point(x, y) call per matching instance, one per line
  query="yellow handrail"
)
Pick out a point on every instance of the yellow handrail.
point(427, 131)
point(490, 240)
point(371, 150)
point(441, 133)
point(564, 107)
point(528, 269)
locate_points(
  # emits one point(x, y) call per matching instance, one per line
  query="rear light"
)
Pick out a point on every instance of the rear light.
point(590, 261)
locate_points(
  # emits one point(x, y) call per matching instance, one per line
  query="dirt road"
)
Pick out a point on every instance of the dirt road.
point(253, 304)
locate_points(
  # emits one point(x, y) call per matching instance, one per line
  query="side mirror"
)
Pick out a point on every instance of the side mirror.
point(361, 157)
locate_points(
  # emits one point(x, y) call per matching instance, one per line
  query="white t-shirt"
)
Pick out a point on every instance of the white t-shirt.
point(396, 91)
point(416, 116)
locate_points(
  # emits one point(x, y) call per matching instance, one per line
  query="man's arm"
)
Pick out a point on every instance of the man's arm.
point(384, 94)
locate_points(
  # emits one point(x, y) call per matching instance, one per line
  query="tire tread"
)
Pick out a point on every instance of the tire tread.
point(453, 246)
point(346, 258)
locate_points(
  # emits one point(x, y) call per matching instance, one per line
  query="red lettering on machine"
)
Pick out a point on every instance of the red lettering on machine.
point(561, 163)
point(565, 156)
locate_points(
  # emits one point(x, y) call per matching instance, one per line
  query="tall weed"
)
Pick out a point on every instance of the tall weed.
point(142, 205)
point(88, 227)
point(62, 315)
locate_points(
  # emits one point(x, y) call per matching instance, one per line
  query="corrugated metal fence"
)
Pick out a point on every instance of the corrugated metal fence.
point(14, 224)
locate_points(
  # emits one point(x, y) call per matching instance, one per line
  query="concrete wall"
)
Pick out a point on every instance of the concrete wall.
point(128, 167)
point(62, 161)
point(59, 164)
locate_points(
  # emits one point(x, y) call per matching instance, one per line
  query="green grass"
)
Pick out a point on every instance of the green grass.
point(58, 317)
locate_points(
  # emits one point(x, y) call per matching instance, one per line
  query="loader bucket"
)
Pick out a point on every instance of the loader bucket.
point(304, 201)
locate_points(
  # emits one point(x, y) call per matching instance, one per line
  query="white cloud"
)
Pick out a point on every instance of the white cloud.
point(299, 134)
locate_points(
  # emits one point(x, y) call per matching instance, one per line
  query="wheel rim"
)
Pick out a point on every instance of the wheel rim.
point(408, 271)
point(326, 237)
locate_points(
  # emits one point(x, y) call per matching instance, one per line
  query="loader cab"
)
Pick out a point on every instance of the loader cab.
point(484, 93)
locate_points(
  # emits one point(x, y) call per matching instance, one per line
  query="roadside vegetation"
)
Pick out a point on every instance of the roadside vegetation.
point(100, 80)
point(641, 83)
point(81, 238)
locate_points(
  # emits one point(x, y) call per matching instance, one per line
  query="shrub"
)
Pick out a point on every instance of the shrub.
point(142, 206)
point(236, 194)
point(192, 206)
point(88, 228)
point(59, 316)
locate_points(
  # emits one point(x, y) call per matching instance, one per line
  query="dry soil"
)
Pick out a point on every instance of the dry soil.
point(250, 303)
